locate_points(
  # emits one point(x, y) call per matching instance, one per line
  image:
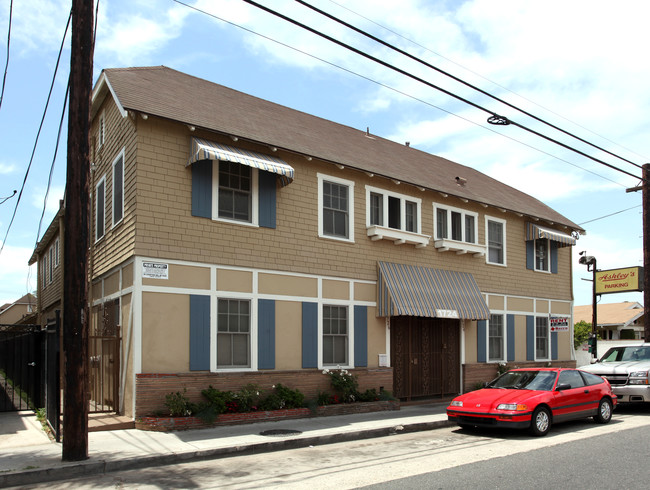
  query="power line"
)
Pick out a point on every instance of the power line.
point(31, 160)
point(612, 214)
point(4, 77)
point(503, 87)
point(394, 90)
point(494, 117)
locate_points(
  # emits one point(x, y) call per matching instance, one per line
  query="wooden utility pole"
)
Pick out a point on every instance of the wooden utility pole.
point(645, 200)
point(75, 236)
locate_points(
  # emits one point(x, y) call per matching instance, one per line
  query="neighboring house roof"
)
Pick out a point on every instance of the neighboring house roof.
point(176, 96)
point(610, 315)
point(51, 231)
point(28, 299)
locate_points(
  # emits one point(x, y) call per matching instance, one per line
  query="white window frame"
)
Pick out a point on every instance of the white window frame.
point(252, 318)
point(399, 236)
point(101, 131)
point(347, 335)
point(115, 222)
point(487, 243)
point(445, 244)
point(102, 183)
point(504, 341)
point(548, 254)
point(50, 264)
point(44, 271)
point(322, 178)
point(254, 221)
point(548, 338)
point(56, 252)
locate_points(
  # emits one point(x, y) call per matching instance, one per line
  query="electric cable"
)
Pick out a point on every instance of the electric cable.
point(494, 118)
point(611, 214)
point(397, 91)
point(394, 90)
point(31, 160)
point(4, 77)
point(503, 87)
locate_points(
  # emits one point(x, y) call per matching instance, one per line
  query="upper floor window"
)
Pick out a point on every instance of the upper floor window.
point(118, 189)
point(335, 208)
point(56, 252)
point(50, 265)
point(335, 335)
point(235, 200)
point(455, 224)
point(101, 131)
point(495, 233)
point(100, 210)
point(394, 216)
point(44, 271)
point(542, 255)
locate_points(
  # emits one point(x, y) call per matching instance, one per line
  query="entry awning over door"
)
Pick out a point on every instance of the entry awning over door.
point(408, 290)
point(209, 150)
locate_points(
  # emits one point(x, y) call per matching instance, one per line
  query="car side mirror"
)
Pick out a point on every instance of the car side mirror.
point(593, 360)
point(563, 386)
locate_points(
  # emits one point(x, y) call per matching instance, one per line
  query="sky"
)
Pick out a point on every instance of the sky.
point(580, 65)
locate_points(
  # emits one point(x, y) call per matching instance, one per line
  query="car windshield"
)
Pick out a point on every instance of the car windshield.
point(629, 353)
point(525, 380)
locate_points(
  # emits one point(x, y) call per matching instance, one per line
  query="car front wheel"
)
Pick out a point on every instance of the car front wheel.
point(540, 424)
point(604, 414)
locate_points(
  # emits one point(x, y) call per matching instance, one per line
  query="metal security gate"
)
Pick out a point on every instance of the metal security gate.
point(22, 368)
point(104, 361)
point(425, 355)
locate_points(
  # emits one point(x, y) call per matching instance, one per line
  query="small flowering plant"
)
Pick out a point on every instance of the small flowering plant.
point(344, 383)
point(502, 367)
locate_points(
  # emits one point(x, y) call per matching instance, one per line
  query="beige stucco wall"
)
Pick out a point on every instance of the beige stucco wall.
point(336, 289)
point(126, 367)
point(183, 276)
point(520, 338)
point(288, 335)
point(288, 285)
point(470, 342)
point(165, 333)
point(236, 281)
point(376, 338)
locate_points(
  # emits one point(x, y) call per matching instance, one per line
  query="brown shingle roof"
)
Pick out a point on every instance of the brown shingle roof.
point(170, 94)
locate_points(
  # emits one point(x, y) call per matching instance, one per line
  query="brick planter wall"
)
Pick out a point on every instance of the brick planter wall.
point(483, 372)
point(166, 424)
point(151, 388)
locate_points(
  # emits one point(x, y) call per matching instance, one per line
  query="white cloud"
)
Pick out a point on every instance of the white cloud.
point(15, 277)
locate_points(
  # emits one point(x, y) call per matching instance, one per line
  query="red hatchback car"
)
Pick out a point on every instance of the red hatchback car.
point(534, 399)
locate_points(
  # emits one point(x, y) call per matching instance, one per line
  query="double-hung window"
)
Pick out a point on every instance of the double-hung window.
point(495, 233)
point(118, 189)
point(335, 208)
point(235, 192)
point(542, 338)
point(335, 335)
point(542, 255)
point(100, 209)
point(233, 333)
point(394, 216)
point(496, 338)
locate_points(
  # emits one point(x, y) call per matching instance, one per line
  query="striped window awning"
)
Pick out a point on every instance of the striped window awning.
point(408, 290)
point(534, 232)
point(209, 150)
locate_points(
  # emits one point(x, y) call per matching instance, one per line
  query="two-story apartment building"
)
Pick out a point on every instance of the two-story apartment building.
point(239, 241)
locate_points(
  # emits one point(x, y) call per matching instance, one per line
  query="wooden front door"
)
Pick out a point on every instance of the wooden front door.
point(425, 355)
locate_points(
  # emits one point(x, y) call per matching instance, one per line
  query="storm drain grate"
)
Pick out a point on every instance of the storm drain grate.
point(280, 432)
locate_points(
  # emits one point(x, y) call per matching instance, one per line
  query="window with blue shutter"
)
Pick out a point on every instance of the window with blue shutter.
point(266, 334)
point(554, 354)
point(530, 338)
point(530, 255)
point(309, 335)
point(361, 336)
point(267, 197)
point(199, 333)
point(510, 326)
point(481, 341)
point(202, 189)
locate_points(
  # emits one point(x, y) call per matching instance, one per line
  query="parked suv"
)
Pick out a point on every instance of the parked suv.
point(626, 368)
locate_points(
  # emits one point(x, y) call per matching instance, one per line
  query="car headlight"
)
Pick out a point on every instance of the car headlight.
point(639, 374)
point(512, 406)
point(456, 403)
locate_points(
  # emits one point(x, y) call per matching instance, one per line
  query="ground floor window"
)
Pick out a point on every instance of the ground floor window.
point(233, 333)
point(495, 338)
point(335, 335)
point(541, 337)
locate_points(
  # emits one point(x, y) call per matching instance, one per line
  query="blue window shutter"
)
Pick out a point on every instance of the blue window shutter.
point(202, 189)
point(554, 355)
point(510, 350)
point(266, 334)
point(309, 335)
point(530, 338)
point(267, 187)
point(554, 248)
point(361, 336)
point(530, 255)
point(199, 333)
point(481, 341)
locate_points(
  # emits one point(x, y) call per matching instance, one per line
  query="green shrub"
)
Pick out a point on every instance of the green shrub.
point(178, 404)
point(344, 383)
point(282, 397)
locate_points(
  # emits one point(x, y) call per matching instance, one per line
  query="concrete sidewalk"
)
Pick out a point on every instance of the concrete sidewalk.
point(28, 456)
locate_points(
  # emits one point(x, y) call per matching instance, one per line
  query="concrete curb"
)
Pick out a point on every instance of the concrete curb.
point(90, 467)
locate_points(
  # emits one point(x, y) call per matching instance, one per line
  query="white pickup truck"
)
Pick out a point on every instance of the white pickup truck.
point(626, 367)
